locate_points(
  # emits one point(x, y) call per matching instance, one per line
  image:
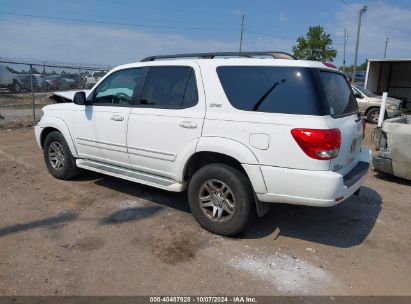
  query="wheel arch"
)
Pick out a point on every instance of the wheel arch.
point(370, 108)
point(56, 124)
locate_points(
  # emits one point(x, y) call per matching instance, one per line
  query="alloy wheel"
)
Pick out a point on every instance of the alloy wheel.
point(56, 155)
point(216, 200)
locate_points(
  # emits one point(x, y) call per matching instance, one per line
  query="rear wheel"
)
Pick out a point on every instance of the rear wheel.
point(58, 158)
point(221, 199)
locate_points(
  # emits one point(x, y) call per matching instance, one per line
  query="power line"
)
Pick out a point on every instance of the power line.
point(271, 35)
point(141, 25)
point(347, 4)
point(148, 25)
point(119, 23)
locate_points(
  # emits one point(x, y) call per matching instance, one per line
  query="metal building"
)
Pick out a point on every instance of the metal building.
point(392, 76)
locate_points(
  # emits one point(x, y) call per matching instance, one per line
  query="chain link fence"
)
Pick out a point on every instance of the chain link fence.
point(25, 88)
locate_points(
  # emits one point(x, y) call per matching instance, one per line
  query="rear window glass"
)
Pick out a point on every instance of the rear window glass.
point(289, 90)
point(339, 96)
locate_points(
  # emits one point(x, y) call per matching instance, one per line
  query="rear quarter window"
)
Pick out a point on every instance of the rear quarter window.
point(340, 98)
point(289, 90)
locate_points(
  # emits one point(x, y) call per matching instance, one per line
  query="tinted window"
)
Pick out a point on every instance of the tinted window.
point(338, 92)
point(190, 95)
point(118, 88)
point(288, 90)
point(169, 87)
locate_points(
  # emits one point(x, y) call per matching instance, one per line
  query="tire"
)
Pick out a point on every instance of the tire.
point(16, 87)
point(373, 114)
point(63, 164)
point(238, 199)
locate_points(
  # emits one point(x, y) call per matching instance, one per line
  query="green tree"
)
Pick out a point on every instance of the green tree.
point(317, 45)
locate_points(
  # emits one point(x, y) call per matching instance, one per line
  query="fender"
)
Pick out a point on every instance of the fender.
point(238, 151)
point(183, 157)
point(229, 147)
point(61, 126)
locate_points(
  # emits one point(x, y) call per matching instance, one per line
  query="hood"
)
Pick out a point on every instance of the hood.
point(67, 96)
point(390, 100)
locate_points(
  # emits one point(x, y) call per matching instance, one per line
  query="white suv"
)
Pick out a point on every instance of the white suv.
point(239, 132)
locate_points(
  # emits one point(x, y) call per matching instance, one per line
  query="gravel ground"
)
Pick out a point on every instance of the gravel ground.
point(99, 235)
point(16, 109)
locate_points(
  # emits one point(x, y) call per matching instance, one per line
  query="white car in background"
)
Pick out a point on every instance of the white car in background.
point(369, 104)
point(7, 80)
point(237, 133)
point(92, 79)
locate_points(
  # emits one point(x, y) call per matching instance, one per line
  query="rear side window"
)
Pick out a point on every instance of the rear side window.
point(169, 87)
point(340, 98)
point(289, 90)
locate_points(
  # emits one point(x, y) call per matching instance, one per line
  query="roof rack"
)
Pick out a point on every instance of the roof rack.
point(274, 54)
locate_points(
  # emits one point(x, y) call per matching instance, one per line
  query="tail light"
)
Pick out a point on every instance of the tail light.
point(330, 65)
point(318, 143)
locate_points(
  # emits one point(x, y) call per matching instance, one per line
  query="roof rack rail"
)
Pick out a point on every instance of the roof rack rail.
point(274, 54)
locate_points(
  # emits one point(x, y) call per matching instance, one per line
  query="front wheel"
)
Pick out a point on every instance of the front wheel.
point(58, 158)
point(221, 199)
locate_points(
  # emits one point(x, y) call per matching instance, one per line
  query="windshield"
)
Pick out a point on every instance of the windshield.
point(365, 91)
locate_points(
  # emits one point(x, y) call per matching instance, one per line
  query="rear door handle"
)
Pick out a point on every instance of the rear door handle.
point(188, 124)
point(117, 117)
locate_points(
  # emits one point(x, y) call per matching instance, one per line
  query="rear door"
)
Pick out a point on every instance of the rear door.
point(344, 116)
point(166, 123)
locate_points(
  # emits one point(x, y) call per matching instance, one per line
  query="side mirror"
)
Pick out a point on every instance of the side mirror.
point(358, 95)
point(80, 98)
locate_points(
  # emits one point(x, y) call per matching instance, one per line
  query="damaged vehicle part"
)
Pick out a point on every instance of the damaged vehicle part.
point(393, 143)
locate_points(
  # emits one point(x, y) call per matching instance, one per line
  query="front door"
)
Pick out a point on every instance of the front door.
point(100, 128)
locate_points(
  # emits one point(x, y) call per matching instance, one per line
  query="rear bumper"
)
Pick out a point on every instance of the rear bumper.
point(382, 164)
point(313, 188)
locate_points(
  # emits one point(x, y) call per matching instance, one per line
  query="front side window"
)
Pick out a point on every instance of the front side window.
point(118, 88)
point(169, 87)
point(289, 90)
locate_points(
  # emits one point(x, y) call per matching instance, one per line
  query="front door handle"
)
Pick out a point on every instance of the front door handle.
point(117, 117)
point(188, 124)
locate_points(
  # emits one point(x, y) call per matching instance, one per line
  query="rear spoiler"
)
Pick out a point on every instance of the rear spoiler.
point(67, 96)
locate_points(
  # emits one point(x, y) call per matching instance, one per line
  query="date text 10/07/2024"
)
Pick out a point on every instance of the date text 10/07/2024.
point(220, 299)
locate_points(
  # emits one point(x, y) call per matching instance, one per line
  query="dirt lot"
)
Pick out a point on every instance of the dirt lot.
point(99, 235)
point(16, 110)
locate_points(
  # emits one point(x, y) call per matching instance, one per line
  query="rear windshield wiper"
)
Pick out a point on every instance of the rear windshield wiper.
point(263, 97)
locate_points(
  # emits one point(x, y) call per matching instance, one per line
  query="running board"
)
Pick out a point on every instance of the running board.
point(132, 175)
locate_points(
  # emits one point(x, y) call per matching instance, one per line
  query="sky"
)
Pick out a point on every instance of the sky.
point(115, 32)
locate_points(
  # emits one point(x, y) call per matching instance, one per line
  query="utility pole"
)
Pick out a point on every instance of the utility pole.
point(345, 43)
point(385, 50)
point(363, 9)
point(242, 30)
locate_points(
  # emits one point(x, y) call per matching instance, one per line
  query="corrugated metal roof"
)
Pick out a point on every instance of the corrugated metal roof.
point(389, 59)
